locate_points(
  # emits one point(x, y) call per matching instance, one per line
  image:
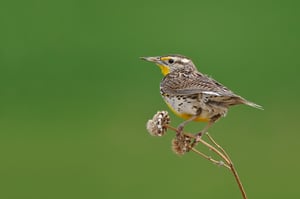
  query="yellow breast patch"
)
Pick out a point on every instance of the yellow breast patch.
point(187, 116)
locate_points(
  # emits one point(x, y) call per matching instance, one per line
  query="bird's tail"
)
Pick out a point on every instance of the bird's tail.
point(252, 104)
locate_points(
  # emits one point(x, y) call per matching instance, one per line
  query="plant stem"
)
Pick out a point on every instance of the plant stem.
point(215, 150)
point(210, 158)
point(221, 152)
point(237, 178)
point(232, 168)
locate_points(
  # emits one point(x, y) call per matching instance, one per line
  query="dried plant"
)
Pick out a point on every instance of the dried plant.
point(185, 142)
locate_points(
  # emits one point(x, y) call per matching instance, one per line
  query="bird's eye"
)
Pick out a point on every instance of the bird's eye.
point(171, 61)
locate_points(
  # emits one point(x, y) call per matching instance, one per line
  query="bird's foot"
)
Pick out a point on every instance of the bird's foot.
point(179, 130)
point(197, 139)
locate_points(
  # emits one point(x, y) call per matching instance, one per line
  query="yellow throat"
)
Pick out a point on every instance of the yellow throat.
point(164, 69)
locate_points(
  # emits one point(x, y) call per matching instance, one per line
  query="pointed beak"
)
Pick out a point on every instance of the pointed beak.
point(157, 60)
point(151, 59)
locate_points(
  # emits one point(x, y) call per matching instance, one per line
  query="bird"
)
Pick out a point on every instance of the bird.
point(193, 95)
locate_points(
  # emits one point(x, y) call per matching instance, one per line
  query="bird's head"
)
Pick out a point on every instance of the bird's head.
point(170, 63)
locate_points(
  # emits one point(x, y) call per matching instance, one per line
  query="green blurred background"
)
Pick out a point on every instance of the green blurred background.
point(75, 97)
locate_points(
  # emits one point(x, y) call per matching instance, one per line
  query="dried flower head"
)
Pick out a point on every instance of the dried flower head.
point(180, 144)
point(157, 125)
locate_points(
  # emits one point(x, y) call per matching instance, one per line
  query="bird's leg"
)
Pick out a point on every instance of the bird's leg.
point(182, 125)
point(204, 130)
point(210, 123)
point(201, 133)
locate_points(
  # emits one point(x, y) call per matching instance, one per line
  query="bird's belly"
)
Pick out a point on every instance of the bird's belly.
point(186, 107)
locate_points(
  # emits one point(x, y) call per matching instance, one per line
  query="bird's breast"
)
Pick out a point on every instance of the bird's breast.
point(187, 106)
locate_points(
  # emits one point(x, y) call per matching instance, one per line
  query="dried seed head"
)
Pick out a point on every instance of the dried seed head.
point(157, 125)
point(180, 144)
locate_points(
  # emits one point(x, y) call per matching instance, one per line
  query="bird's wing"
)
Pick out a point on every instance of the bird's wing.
point(193, 84)
point(198, 83)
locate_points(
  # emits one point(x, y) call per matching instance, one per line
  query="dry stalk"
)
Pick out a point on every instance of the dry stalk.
point(185, 142)
point(220, 152)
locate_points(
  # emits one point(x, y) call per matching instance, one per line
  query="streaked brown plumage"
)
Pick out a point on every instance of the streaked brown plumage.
point(191, 94)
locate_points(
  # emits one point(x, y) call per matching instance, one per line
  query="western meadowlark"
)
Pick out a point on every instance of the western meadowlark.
point(192, 95)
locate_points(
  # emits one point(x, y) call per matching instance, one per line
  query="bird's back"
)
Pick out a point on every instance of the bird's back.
point(193, 93)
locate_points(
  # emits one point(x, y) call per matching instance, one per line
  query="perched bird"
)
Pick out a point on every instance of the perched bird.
point(192, 95)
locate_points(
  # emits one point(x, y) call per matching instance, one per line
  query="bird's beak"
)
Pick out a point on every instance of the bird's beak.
point(152, 59)
point(164, 68)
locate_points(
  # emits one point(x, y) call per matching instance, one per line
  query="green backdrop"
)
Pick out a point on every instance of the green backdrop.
point(75, 97)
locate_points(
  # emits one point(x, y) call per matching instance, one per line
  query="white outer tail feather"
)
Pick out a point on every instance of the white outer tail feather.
point(253, 105)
